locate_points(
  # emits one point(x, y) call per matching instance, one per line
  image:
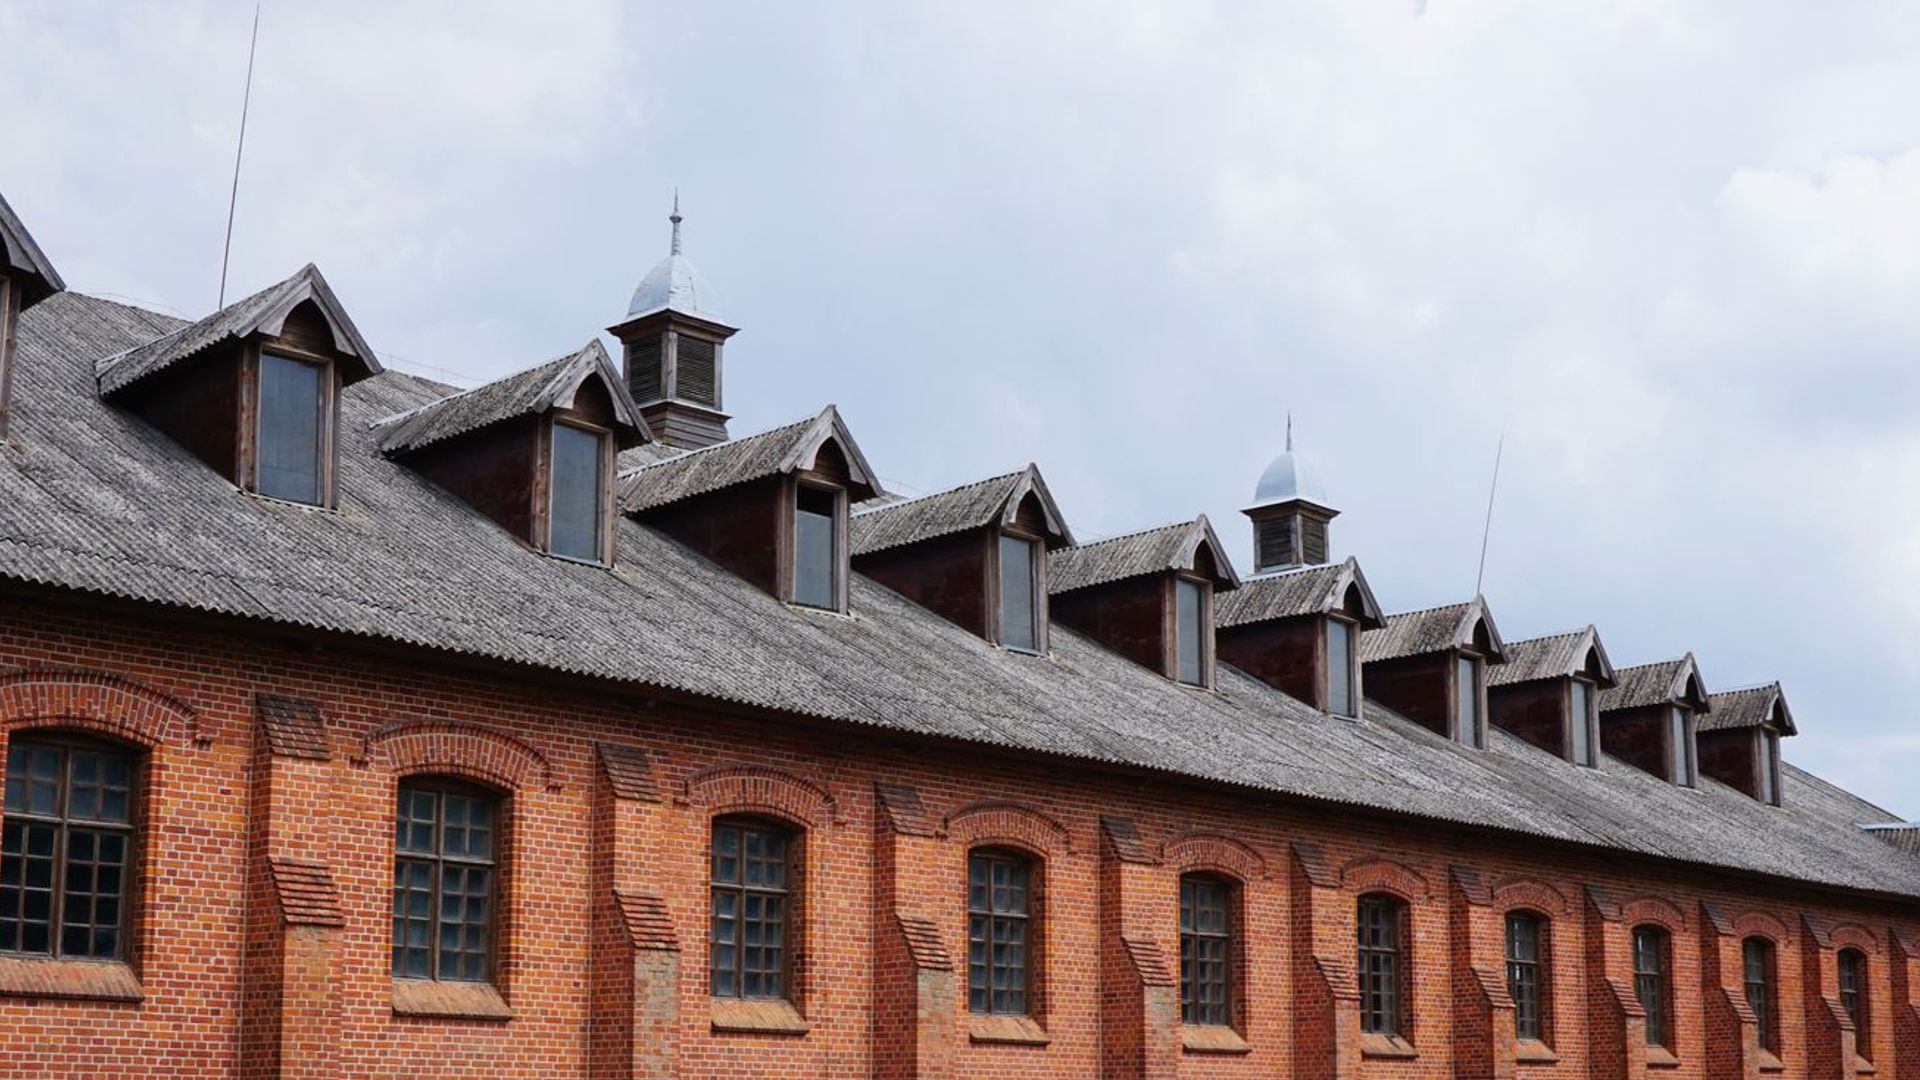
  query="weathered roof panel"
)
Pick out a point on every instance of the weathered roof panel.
point(1150, 551)
point(1432, 630)
point(1311, 590)
point(532, 392)
point(1556, 656)
point(1749, 707)
point(713, 468)
point(995, 501)
point(1664, 682)
point(20, 251)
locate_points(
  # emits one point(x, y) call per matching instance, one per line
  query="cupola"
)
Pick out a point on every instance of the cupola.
point(772, 507)
point(976, 554)
point(26, 278)
point(1648, 719)
point(1548, 692)
point(253, 389)
point(672, 340)
point(1147, 596)
point(1431, 667)
point(1290, 513)
point(1739, 739)
point(1299, 631)
point(533, 451)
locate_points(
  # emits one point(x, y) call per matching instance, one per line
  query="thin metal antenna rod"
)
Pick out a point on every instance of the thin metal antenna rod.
point(1487, 532)
point(233, 198)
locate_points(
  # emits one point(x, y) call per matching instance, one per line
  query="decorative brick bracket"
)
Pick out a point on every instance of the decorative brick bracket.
point(306, 891)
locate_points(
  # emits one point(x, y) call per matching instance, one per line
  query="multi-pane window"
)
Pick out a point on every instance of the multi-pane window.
point(64, 849)
point(816, 548)
point(1382, 928)
point(1580, 722)
point(1680, 751)
point(292, 429)
point(1340, 667)
point(1527, 974)
point(1190, 631)
point(1652, 982)
point(1469, 729)
point(1206, 950)
point(1757, 963)
point(575, 516)
point(443, 882)
point(1769, 767)
point(751, 910)
point(1854, 998)
point(999, 932)
point(1019, 594)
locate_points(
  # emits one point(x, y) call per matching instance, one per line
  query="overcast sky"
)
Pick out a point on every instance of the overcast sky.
point(1671, 250)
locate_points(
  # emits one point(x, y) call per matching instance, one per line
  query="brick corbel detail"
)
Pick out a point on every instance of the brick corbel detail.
point(1139, 997)
point(293, 726)
point(628, 772)
point(1483, 1035)
point(306, 892)
point(916, 992)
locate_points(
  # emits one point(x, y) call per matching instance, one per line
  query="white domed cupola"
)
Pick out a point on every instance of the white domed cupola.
point(1290, 512)
point(673, 337)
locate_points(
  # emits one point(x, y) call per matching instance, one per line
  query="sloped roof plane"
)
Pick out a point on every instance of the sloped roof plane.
point(537, 390)
point(1750, 707)
point(1311, 590)
point(1556, 656)
point(779, 452)
point(1150, 551)
point(1432, 630)
point(1664, 682)
point(995, 501)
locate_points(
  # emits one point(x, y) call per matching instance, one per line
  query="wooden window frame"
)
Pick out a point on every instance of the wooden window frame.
point(1229, 939)
point(1760, 978)
point(1385, 1006)
point(1479, 691)
point(1030, 920)
point(543, 501)
point(791, 546)
point(996, 619)
point(1768, 748)
point(1683, 758)
point(9, 316)
point(251, 417)
point(1205, 635)
point(1541, 966)
point(1853, 976)
point(1353, 665)
point(791, 839)
point(1653, 986)
point(1590, 722)
point(441, 786)
point(134, 829)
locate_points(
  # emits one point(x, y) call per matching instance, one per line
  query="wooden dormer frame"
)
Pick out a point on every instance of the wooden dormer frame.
point(542, 488)
point(788, 539)
point(1170, 637)
point(1041, 638)
point(247, 438)
point(10, 306)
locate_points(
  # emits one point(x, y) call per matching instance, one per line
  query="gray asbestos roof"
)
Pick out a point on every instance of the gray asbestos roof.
point(1665, 682)
point(1417, 633)
point(1557, 656)
point(96, 504)
point(265, 312)
point(19, 250)
point(1152, 551)
point(1312, 590)
point(1751, 707)
point(970, 506)
point(779, 452)
point(532, 392)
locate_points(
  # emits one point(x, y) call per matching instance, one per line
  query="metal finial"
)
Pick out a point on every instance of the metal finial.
point(1289, 431)
point(675, 218)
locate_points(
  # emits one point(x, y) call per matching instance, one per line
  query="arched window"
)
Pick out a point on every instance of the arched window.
point(751, 909)
point(1757, 955)
point(1382, 965)
point(1528, 974)
point(445, 867)
point(1854, 997)
point(999, 932)
point(1207, 950)
point(66, 847)
point(1653, 982)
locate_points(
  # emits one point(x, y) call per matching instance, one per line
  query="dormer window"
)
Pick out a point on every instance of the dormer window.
point(1651, 719)
point(1582, 723)
point(1148, 596)
point(1469, 719)
point(1770, 768)
point(577, 515)
point(1738, 740)
point(1342, 668)
point(1682, 767)
point(1192, 620)
point(293, 429)
point(1019, 592)
point(1299, 630)
point(817, 514)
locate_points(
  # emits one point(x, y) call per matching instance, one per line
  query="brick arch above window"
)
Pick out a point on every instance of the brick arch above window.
point(760, 789)
point(1854, 936)
point(470, 751)
point(1656, 910)
point(1211, 852)
point(1001, 822)
point(1373, 873)
point(1530, 894)
point(99, 702)
point(1762, 924)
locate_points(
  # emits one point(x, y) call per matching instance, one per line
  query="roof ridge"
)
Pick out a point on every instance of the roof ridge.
point(900, 503)
point(1137, 532)
point(1434, 608)
point(698, 450)
point(1754, 688)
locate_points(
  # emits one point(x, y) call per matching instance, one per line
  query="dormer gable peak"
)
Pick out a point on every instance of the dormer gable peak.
point(1555, 656)
point(995, 502)
point(1665, 682)
point(1467, 625)
point(781, 451)
point(1183, 546)
point(20, 254)
point(1298, 591)
point(1750, 707)
point(533, 392)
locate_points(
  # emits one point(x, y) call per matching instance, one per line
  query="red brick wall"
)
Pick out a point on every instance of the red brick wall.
point(603, 950)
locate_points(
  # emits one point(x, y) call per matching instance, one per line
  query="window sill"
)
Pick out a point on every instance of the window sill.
point(744, 1016)
point(449, 1000)
point(1534, 1052)
point(1863, 1067)
point(1387, 1046)
point(75, 980)
point(1768, 1061)
point(1659, 1057)
point(1212, 1039)
point(1010, 1030)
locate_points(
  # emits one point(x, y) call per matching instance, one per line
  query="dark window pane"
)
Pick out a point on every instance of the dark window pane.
point(748, 912)
point(64, 837)
point(1205, 951)
point(1018, 616)
point(1379, 926)
point(815, 552)
point(1757, 961)
point(1650, 983)
point(442, 885)
point(1527, 975)
point(1190, 611)
point(1339, 668)
point(998, 895)
point(1580, 734)
point(577, 517)
point(290, 429)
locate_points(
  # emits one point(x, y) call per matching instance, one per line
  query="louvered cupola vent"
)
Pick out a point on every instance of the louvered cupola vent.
point(673, 340)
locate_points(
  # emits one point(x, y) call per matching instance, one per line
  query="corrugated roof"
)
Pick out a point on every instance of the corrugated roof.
point(1432, 630)
point(22, 252)
point(779, 452)
point(1150, 551)
point(1665, 682)
point(532, 392)
point(1312, 590)
point(1749, 707)
point(1556, 656)
point(102, 505)
point(995, 501)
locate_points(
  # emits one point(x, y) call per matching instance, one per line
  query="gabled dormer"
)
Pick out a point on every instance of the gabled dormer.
point(1148, 596)
point(1299, 632)
point(771, 507)
point(1431, 667)
point(1739, 740)
point(976, 554)
point(26, 278)
point(1648, 719)
point(253, 389)
point(533, 451)
point(1548, 693)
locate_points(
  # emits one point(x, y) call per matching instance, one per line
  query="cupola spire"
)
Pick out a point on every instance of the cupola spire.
point(1290, 512)
point(675, 217)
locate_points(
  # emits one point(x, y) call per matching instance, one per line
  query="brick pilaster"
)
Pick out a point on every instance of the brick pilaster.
point(1139, 996)
point(916, 991)
point(633, 1013)
point(1616, 1024)
point(1326, 1032)
point(1483, 1035)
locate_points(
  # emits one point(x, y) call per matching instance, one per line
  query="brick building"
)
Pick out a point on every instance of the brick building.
point(357, 726)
